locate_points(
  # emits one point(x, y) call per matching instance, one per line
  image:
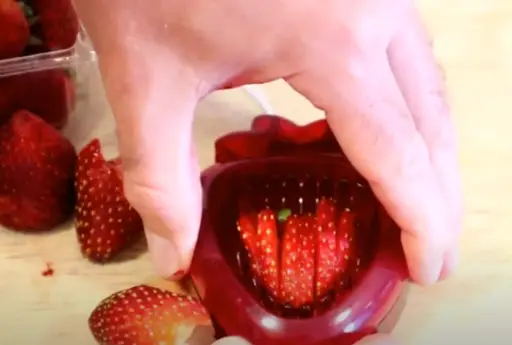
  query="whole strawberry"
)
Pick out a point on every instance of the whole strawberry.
point(58, 21)
point(105, 222)
point(145, 315)
point(50, 94)
point(14, 29)
point(37, 166)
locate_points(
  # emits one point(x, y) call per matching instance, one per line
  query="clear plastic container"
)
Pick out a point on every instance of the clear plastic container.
point(46, 84)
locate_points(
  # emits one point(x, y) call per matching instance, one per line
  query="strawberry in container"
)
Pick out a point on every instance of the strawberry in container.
point(38, 94)
point(44, 179)
point(56, 23)
point(293, 249)
point(41, 47)
point(15, 29)
point(37, 166)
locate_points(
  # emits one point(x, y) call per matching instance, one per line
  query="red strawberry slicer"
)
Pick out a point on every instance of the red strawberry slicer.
point(293, 247)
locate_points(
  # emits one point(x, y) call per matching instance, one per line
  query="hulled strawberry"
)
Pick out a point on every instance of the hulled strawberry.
point(298, 261)
point(247, 225)
point(298, 258)
point(260, 237)
point(37, 166)
point(58, 21)
point(105, 222)
point(344, 238)
point(145, 315)
point(14, 29)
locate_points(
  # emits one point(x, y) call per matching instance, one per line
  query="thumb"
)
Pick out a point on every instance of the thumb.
point(153, 105)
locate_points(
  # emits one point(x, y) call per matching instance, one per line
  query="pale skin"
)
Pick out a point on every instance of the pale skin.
point(368, 64)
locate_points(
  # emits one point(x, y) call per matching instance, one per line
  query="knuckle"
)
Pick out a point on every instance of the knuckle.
point(412, 159)
point(403, 157)
point(144, 196)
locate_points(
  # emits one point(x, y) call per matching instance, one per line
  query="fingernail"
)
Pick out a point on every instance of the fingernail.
point(164, 254)
point(451, 261)
point(430, 273)
point(424, 262)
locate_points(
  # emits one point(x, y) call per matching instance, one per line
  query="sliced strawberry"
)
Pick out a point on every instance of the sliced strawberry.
point(246, 225)
point(298, 261)
point(37, 166)
point(326, 256)
point(344, 238)
point(105, 222)
point(268, 249)
point(145, 315)
point(308, 253)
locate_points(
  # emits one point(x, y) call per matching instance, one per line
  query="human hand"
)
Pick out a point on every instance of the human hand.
point(367, 63)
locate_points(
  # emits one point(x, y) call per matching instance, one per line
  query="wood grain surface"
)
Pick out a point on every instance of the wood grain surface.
point(473, 40)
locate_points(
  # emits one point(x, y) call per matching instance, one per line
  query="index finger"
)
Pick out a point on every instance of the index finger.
point(153, 95)
point(415, 68)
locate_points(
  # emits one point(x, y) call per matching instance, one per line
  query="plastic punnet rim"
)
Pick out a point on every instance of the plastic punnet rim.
point(81, 52)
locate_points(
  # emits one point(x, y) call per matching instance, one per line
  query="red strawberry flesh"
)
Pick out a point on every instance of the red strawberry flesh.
point(327, 268)
point(106, 224)
point(145, 315)
point(247, 227)
point(344, 238)
point(268, 250)
point(298, 258)
point(298, 261)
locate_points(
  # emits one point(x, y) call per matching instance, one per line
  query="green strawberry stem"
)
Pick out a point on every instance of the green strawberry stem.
point(283, 215)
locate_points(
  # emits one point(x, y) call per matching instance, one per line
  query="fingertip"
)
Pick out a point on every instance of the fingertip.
point(421, 213)
point(451, 262)
point(424, 260)
point(164, 255)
